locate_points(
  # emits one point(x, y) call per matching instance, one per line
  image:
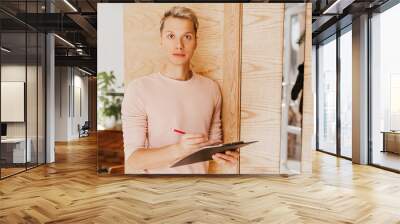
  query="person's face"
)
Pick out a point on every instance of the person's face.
point(178, 40)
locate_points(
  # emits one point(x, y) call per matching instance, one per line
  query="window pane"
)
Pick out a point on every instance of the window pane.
point(13, 84)
point(346, 94)
point(327, 97)
point(41, 98)
point(385, 86)
point(31, 97)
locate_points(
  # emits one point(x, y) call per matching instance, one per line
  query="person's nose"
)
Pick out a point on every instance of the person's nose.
point(179, 45)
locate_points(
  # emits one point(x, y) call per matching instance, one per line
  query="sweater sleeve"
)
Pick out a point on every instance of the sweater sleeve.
point(134, 121)
point(215, 128)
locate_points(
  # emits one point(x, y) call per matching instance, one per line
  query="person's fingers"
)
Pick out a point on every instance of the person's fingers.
point(208, 143)
point(228, 158)
point(218, 160)
point(235, 154)
point(223, 161)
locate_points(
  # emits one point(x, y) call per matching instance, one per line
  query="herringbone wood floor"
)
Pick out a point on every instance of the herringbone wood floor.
point(70, 191)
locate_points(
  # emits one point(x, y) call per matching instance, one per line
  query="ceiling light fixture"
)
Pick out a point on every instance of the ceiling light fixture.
point(84, 71)
point(337, 7)
point(5, 50)
point(70, 5)
point(331, 7)
point(64, 40)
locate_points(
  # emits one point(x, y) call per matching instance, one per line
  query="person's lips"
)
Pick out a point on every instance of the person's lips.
point(178, 55)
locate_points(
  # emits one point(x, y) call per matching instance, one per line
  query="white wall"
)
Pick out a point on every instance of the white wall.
point(110, 43)
point(68, 81)
point(61, 103)
point(81, 83)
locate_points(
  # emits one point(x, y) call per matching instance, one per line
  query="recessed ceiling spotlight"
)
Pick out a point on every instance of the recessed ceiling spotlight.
point(70, 5)
point(64, 40)
point(5, 50)
point(84, 71)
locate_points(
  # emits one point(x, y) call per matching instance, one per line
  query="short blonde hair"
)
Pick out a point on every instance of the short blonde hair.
point(182, 13)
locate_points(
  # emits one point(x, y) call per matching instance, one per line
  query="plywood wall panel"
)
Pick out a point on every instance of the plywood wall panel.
point(308, 101)
point(231, 81)
point(262, 55)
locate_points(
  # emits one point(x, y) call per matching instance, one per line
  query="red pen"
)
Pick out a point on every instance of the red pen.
point(179, 131)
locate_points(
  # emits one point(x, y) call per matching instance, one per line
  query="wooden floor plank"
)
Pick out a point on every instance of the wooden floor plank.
point(70, 191)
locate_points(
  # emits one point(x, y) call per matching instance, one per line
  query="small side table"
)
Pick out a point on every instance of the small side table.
point(391, 141)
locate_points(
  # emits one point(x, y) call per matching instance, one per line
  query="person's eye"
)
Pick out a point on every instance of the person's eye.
point(170, 36)
point(188, 37)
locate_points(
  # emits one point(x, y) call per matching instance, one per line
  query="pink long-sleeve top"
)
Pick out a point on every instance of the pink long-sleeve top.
point(155, 104)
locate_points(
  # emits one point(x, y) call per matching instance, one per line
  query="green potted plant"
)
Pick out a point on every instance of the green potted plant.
point(109, 100)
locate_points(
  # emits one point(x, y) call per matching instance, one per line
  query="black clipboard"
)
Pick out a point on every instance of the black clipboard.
point(206, 153)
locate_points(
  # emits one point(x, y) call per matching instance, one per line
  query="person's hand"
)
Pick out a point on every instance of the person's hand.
point(229, 157)
point(190, 143)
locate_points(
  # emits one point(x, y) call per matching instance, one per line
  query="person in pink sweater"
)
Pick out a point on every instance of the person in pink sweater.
point(174, 98)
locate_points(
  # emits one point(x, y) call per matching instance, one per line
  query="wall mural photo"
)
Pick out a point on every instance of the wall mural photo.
point(200, 88)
